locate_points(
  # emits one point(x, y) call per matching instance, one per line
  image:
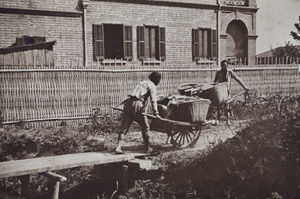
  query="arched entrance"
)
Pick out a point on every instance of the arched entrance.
point(237, 41)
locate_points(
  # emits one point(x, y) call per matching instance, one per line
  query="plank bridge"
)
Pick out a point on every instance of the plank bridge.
point(46, 165)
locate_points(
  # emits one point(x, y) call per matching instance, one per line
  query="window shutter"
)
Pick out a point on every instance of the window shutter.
point(162, 44)
point(205, 45)
point(98, 37)
point(141, 41)
point(195, 44)
point(38, 40)
point(214, 44)
point(127, 34)
point(20, 41)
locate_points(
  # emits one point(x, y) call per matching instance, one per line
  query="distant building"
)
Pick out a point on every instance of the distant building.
point(156, 31)
point(267, 53)
point(267, 57)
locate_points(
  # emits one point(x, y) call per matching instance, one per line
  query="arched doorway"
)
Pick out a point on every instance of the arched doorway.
point(237, 41)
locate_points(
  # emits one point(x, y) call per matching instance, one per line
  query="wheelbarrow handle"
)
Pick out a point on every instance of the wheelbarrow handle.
point(152, 116)
point(245, 92)
point(240, 93)
point(116, 108)
point(247, 95)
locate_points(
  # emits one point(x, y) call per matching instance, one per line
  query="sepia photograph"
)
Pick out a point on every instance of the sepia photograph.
point(149, 99)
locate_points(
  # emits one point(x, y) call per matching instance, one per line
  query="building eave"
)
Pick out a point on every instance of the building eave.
point(184, 4)
point(166, 3)
point(39, 12)
point(241, 8)
point(45, 45)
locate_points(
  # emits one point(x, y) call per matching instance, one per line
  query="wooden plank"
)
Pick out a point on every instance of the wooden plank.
point(145, 164)
point(44, 164)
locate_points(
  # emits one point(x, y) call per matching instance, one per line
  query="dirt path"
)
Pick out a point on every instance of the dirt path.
point(210, 136)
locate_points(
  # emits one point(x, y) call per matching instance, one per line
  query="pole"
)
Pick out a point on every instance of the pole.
point(58, 178)
point(219, 32)
point(85, 3)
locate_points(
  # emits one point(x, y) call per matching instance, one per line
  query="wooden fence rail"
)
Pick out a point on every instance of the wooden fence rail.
point(40, 94)
point(276, 60)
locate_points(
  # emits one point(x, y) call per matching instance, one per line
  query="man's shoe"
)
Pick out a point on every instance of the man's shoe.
point(151, 152)
point(119, 151)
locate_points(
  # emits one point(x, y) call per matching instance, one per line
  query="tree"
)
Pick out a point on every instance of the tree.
point(287, 54)
point(296, 35)
point(286, 51)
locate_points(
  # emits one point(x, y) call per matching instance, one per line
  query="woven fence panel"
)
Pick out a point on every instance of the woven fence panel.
point(38, 95)
point(271, 81)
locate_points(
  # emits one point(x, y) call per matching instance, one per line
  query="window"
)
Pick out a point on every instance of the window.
point(151, 43)
point(112, 41)
point(204, 44)
point(26, 40)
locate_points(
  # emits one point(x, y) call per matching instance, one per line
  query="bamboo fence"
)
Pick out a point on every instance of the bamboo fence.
point(41, 94)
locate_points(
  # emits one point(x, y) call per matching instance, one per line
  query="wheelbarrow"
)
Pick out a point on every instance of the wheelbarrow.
point(182, 118)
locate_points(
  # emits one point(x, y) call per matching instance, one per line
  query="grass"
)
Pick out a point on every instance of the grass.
point(261, 161)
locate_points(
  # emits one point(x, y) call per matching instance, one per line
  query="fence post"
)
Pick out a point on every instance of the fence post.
point(58, 178)
point(24, 185)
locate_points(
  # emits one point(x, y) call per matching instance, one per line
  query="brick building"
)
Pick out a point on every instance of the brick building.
point(153, 31)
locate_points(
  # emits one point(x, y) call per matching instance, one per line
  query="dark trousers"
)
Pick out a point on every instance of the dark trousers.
point(133, 111)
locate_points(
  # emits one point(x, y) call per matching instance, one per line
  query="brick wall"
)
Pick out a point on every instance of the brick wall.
point(178, 22)
point(55, 5)
point(67, 31)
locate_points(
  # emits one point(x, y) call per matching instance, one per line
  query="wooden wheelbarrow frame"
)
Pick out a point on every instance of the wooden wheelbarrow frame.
point(180, 133)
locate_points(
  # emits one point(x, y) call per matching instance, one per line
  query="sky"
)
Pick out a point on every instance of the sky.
point(275, 20)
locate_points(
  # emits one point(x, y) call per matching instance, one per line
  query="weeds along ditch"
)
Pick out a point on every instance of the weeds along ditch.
point(261, 161)
point(22, 142)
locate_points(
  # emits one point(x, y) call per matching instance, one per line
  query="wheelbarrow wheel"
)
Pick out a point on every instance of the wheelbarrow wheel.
point(185, 137)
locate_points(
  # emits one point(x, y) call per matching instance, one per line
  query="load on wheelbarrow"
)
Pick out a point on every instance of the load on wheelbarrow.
point(182, 118)
point(217, 93)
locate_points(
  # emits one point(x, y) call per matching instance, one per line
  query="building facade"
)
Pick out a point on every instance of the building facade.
point(123, 31)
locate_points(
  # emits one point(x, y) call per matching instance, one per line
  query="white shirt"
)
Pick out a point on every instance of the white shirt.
point(145, 89)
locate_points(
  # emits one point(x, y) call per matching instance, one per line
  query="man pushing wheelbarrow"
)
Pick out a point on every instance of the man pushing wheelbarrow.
point(135, 106)
point(217, 92)
point(226, 75)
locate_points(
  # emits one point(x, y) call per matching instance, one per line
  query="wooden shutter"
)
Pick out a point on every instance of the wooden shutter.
point(20, 41)
point(38, 40)
point(195, 45)
point(205, 49)
point(141, 41)
point(213, 44)
point(162, 44)
point(127, 34)
point(98, 42)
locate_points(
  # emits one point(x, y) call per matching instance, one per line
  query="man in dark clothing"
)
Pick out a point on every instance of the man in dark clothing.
point(225, 75)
